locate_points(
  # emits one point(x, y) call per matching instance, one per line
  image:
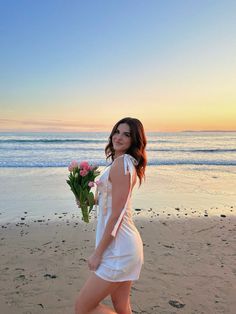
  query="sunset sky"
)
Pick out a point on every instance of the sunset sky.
point(83, 65)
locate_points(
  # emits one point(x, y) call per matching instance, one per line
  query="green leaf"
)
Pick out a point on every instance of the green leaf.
point(90, 198)
point(74, 191)
point(77, 188)
point(83, 196)
point(91, 201)
point(68, 182)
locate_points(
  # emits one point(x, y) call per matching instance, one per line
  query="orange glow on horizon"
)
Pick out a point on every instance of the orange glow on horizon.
point(9, 125)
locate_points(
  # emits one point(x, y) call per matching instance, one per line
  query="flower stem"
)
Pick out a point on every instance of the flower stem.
point(85, 212)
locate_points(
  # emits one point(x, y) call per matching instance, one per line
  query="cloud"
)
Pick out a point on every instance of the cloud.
point(47, 125)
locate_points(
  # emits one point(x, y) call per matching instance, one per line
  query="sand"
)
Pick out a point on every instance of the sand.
point(42, 191)
point(190, 265)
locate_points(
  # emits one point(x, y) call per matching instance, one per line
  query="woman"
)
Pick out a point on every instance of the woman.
point(118, 257)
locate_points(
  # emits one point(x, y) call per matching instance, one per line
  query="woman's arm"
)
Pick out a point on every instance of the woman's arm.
point(120, 190)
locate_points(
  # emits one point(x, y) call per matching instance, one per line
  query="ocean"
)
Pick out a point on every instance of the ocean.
point(58, 149)
point(189, 174)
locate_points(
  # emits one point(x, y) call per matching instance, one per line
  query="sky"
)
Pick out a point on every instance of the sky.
point(84, 65)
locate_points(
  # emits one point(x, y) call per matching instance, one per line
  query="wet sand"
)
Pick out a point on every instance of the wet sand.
point(189, 264)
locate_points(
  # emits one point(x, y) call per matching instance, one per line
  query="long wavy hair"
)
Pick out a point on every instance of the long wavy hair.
point(137, 148)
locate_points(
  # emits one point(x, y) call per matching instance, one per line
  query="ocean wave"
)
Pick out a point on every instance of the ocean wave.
point(89, 148)
point(63, 141)
point(49, 141)
point(39, 164)
point(51, 149)
point(174, 149)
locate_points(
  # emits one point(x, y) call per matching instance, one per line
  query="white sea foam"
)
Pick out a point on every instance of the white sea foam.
point(58, 149)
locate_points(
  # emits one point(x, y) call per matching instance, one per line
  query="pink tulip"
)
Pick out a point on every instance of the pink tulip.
point(83, 172)
point(91, 184)
point(98, 182)
point(84, 165)
point(72, 165)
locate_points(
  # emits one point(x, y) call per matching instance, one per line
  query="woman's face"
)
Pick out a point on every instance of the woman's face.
point(121, 139)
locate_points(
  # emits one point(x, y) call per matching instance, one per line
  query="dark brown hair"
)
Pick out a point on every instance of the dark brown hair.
point(137, 147)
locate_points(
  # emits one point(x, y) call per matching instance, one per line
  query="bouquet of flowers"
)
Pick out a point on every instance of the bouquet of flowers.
point(81, 180)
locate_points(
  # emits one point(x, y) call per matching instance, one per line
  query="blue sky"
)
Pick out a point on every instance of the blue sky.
point(81, 65)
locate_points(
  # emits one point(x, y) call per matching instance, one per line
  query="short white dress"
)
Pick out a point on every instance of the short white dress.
point(123, 258)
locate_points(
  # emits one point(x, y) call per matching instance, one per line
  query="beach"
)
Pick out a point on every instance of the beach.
point(185, 212)
point(189, 248)
point(42, 192)
point(189, 265)
point(86, 82)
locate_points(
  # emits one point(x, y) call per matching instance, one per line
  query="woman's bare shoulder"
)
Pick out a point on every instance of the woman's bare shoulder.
point(118, 165)
point(118, 173)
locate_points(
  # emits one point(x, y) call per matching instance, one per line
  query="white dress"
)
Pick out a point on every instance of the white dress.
point(123, 258)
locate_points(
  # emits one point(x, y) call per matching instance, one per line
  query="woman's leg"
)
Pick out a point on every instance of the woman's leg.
point(93, 292)
point(121, 298)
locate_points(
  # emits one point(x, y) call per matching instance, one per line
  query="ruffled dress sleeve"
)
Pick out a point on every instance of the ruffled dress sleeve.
point(129, 163)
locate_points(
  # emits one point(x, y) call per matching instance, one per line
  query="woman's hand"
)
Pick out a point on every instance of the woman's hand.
point(94, 261)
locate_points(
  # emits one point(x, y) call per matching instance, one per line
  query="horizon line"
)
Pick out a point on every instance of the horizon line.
point(104, 131)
